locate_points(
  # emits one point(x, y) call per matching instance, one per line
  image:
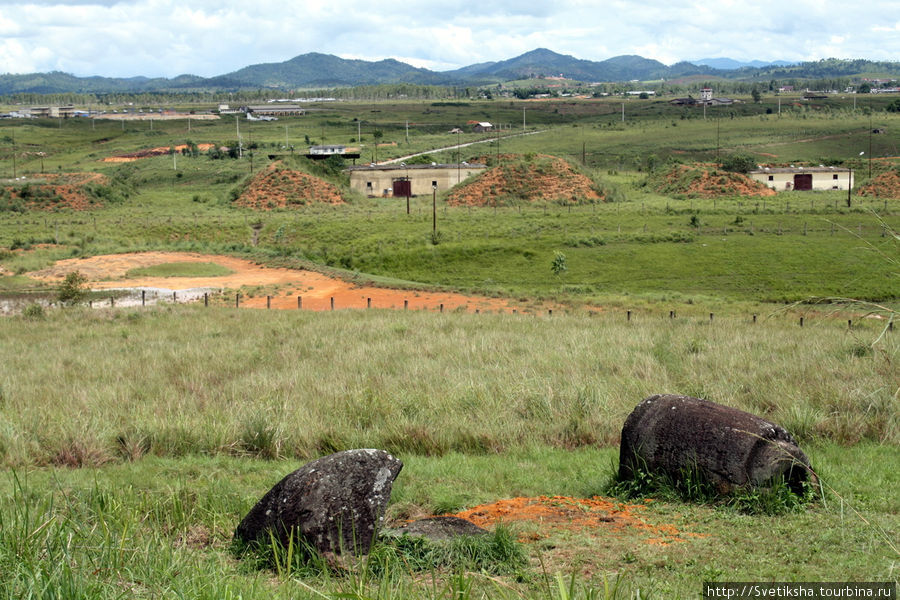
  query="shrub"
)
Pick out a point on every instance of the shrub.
point(72, 289)
point(739, 163)
point(33, 311)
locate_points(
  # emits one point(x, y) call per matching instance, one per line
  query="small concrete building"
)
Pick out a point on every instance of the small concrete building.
point(482, 127)
point(328, 149)
point(804, 178)
point(395, 180)
point(275, 110)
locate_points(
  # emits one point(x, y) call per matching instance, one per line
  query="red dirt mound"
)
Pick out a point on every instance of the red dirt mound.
point(529, 179)
point(883, 185)
point(53, 191)
point(148, 152)
point(278, 187)
point(706, 182)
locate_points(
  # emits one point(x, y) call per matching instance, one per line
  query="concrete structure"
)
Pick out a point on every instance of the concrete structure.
point(275, 110)
point(327, 150)
point(804, 178)
point(53, 112)
point(393, 179)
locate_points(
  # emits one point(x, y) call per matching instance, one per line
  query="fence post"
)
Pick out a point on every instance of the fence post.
point(671, 314)
point(754, 319)
point(237, 300)
point(299, 302)
point(112, 301)
point(801, 321)
point(174, 298)
point(628, 315)
point(332, 303)
point(405, 304)
point(143, 297)
point(849, 323)
point(205, 298)
point(368, 303)
point(477, 311)
point(710, 317)
point(550, 312)
point(441, 307)
point(268, 301)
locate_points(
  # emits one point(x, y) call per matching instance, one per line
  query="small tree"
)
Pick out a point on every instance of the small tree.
point(72, 289)
point(559, 265)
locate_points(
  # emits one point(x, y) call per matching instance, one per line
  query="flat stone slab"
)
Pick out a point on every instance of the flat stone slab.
point(439, 528)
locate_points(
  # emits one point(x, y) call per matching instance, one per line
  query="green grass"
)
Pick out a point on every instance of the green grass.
point(181, 269)
point(174, 381)
point(162, 527)
point(182, 417)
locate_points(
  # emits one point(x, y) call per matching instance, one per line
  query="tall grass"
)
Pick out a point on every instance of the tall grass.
point(83, 387)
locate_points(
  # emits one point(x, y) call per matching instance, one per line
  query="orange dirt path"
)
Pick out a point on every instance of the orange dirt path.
point(316, 289)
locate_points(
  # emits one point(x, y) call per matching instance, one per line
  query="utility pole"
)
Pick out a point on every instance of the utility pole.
point(237, 127)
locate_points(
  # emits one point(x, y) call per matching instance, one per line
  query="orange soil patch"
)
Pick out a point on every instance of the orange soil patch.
point(281, 187)
point(540, 179)
point(574, 514)
point(710, 183)
point(147, 153)
point(883, 185)
point(317, 290)
point(58, 190)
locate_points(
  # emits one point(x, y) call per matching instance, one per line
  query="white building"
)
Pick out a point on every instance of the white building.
point(804, 178)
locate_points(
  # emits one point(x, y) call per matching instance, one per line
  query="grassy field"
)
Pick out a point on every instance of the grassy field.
point(171, 413)
point(132, 441)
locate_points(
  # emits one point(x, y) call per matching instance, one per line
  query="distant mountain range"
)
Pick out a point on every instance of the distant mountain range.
point(316, 70)
point(729, 64)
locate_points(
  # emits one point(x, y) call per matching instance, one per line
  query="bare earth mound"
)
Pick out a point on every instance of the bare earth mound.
point(883, 185)
point(53, 191)
point(527, 179)
point(279, 187)
point(707, 182)
point(147, 153)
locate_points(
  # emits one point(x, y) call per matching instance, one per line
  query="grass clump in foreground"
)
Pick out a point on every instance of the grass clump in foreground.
point(775, 497)
point(495, 553)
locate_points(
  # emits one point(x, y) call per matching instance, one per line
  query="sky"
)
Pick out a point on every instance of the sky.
point(165, 38)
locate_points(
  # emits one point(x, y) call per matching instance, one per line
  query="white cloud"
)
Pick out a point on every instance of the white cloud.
point(212, 37)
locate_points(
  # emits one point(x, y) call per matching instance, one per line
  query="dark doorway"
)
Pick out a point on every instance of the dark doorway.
point(402, 187)
point(803, 181)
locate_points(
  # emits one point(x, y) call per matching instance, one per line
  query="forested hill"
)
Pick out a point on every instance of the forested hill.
point(316, 70)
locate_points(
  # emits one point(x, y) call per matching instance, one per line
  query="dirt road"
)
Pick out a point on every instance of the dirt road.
point(283, 285)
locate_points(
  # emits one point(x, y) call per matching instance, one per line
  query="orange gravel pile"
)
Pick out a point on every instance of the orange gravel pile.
point(581, 514)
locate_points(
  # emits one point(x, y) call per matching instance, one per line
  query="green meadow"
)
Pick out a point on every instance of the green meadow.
point(133, 440)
